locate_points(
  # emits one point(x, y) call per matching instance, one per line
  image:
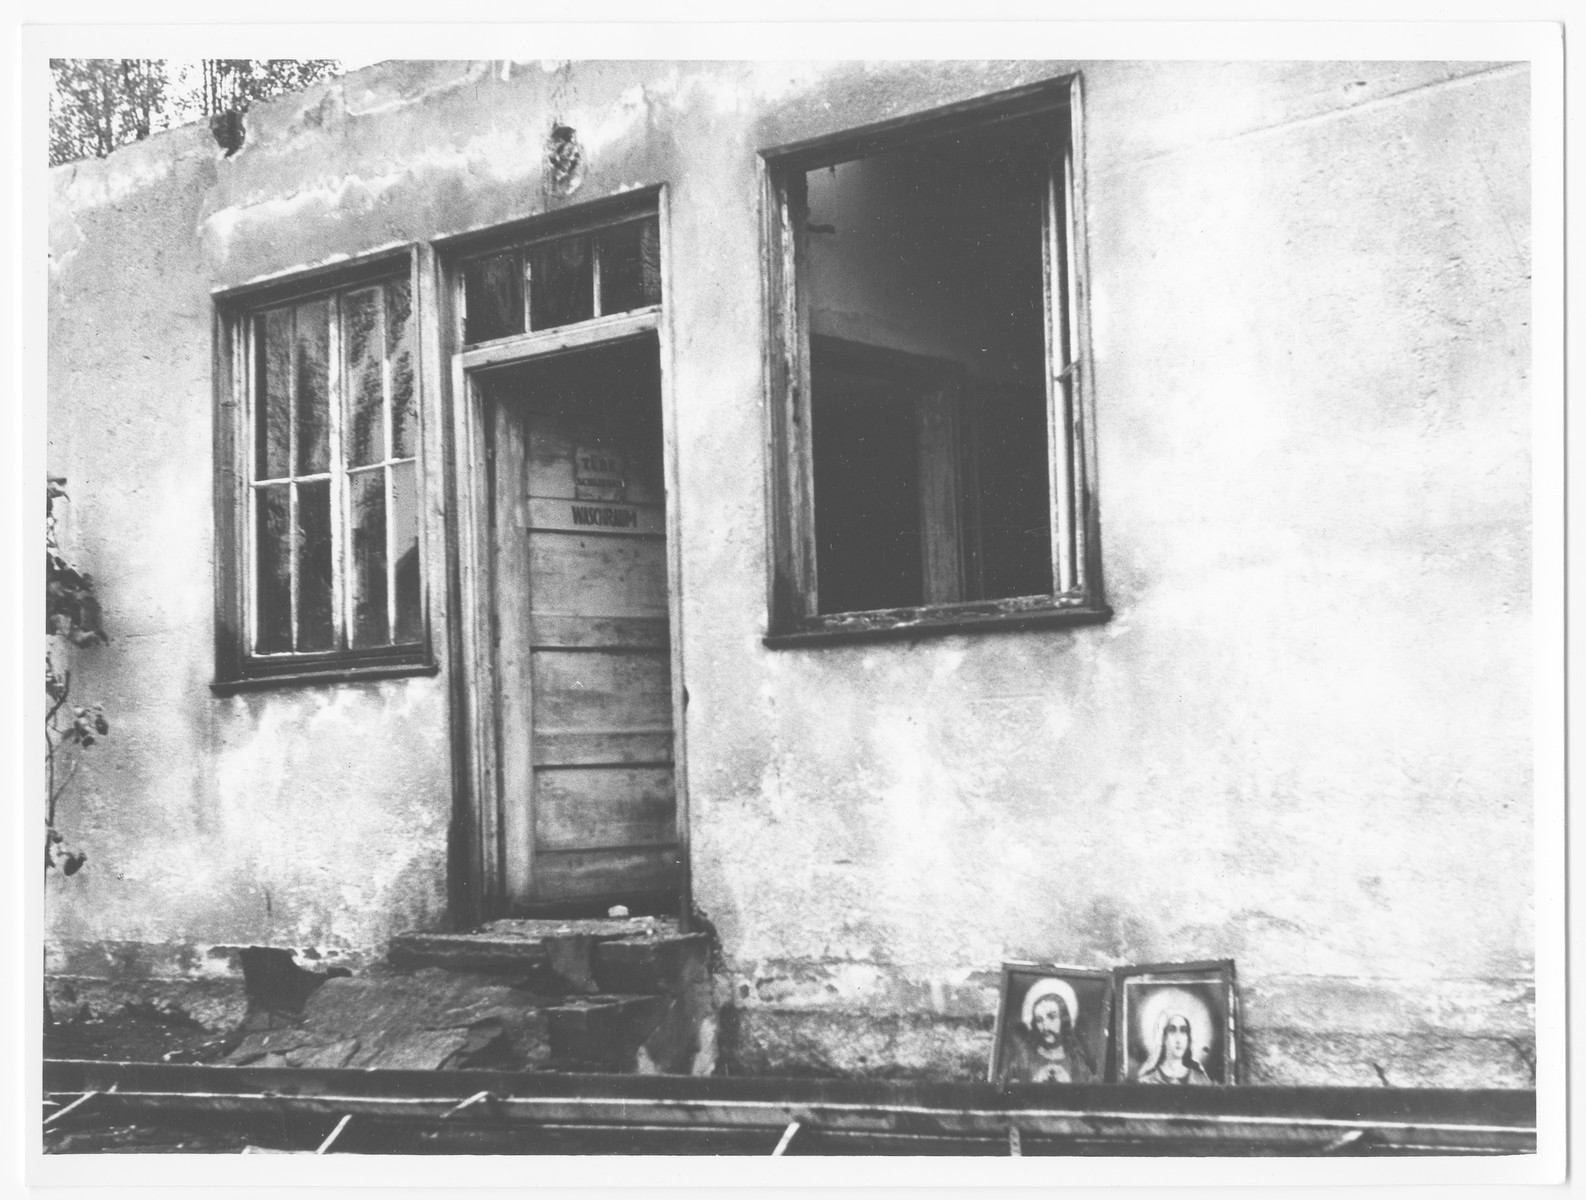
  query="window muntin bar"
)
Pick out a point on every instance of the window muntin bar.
point(558, 280)
point(333, 395)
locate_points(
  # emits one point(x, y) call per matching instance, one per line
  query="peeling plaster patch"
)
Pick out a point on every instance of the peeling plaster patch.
point(225, 223)
point(331, 892)
point(948, 661)
point(852, 980)
point(288, 120)
point(118, 177)
point(183, 597)
point(771, 791)
point(334, 709)
point(629, 111)
point(725, 94)
point(1020, 860)
point(805, 985)
point(488, 156)
point(920, 804)
point(1058, 720)
point(366, 894)
point(359, 197)
point(349, 707)
point(351, 704)
point(776, 80)
point(66, 236)
point(240, 770)
point(467, 79)
point(669, 85)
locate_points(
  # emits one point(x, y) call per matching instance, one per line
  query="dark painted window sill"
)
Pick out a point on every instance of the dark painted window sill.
point(909, 624)
point(320, 675)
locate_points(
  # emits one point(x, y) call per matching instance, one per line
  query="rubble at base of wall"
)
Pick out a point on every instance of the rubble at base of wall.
point(215, 1005)
point(792, 1024)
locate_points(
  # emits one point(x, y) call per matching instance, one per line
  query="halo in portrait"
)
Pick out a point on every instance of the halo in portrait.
point(1050, 987)
point(1149, 1009)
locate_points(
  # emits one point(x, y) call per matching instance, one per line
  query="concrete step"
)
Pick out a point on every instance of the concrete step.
point(432, 1018)
point(602, 1033)
point(640, 955)
point(509, 945)
point(628, 995)
point(660, 964)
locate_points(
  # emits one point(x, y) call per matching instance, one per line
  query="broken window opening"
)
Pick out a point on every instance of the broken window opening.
point(930, 433)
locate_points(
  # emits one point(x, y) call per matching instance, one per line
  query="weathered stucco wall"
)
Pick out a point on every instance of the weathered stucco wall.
point(312, 817)
point(1303, 741)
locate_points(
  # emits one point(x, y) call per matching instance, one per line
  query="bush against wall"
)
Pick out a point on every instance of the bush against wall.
point(72, 621)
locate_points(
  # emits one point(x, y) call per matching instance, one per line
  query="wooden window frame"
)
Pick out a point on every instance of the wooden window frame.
point(519, 238)
point(237, 667)
point(794, 616)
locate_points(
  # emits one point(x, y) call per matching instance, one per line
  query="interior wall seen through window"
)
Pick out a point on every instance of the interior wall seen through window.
point(924, 281)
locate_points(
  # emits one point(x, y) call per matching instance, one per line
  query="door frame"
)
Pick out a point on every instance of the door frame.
point(478, 845)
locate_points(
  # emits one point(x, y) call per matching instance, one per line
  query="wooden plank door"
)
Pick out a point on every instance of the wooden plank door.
point(589, 810)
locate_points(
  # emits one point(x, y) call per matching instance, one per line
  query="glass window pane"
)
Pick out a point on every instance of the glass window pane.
point(368, 583)
point(405, 546)
point(311, 571)
point(492, 297)
point(315, 625)
point(630, 266)
point(313, 387)
point(561, 283)
point(363, 367)
point(272, 577)
point(399, 356)
point(272, 402)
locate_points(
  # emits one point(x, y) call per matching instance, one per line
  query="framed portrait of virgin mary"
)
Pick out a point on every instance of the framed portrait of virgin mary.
point(1178, 1023)
point(1053, 1025)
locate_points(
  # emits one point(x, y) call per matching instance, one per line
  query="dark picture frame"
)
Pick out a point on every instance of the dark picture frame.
point(1075, 1050)
point(1157, 1004)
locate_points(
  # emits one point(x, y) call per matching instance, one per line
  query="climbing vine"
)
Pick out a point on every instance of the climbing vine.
point(72, 621)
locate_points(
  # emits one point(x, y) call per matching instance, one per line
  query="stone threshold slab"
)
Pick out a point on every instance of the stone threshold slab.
point(514, 943)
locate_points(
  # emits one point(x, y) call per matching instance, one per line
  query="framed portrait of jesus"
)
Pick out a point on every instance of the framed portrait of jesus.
point(1053, 1025)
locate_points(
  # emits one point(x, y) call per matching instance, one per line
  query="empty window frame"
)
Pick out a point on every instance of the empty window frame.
point(320, 523)
point(930, 468)
point(562, 279)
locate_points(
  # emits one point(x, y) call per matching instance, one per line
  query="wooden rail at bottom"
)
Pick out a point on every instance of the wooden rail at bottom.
point(824, 1113)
